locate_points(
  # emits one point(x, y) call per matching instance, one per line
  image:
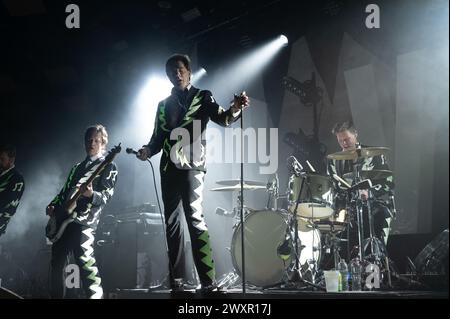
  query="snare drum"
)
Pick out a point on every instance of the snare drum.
point(334, 224)
point(310, 245)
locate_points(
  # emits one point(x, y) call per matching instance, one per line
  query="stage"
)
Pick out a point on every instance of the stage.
point(276, 294)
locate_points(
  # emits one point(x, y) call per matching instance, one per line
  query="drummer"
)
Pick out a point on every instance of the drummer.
point(347, 137)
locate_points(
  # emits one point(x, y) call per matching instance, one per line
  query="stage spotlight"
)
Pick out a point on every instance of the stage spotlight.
point(247, 68)
point(154, 90)
point(198, 75)
point(283, 40)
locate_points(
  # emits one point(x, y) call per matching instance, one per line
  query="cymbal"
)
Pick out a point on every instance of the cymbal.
point(233, 182)
point(372, 174)
point(353, 154)
point(237, 188)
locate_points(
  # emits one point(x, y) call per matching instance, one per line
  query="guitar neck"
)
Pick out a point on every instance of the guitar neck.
point(109, 158)
point(77, 195)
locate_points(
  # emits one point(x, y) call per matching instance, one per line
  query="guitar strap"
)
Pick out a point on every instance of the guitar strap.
point(90, 166)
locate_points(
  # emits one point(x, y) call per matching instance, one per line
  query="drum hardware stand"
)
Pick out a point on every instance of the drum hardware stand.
point(273, 190)
point(297, 275)
point(335, 247)
point(229, 280)
point(232, 278)
point(376, 246)
point(378, 249)
point(359, 203)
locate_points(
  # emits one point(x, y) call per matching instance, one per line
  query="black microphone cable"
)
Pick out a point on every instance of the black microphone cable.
point(131, 151)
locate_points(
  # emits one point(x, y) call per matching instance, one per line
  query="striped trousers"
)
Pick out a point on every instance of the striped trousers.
point(78, 241)
point(182, 191)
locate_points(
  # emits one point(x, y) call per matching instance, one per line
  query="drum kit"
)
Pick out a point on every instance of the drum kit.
point(286, 247)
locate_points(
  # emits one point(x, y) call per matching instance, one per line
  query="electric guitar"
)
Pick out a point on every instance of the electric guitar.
point(64, 214)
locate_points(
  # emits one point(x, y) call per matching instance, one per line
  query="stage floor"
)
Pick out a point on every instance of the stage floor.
point(275, 294)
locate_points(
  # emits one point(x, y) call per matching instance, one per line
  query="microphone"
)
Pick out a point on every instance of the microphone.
point(295, 165)
point(131, 151)
point(273, 184)
point(276, 186)
point(284, 249)
point(223, 212)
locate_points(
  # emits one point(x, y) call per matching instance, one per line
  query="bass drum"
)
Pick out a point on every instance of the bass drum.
point(311, 249)
point(265, 232)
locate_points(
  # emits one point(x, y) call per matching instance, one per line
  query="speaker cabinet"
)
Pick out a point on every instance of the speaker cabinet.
point(132, 253)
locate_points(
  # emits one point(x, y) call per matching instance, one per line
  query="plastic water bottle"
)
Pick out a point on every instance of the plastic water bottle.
point(355, 268)
point(344, 275)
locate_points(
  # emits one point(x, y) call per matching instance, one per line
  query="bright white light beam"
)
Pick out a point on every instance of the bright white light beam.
point(154, 90)
point(198, 75)
point(241, 72)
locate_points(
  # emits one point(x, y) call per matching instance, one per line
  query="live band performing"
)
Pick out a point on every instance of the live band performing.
point(169, 150)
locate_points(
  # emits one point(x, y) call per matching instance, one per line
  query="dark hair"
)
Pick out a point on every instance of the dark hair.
point(9, 149)
point(344, 126)
point(179, 57)
point(97, 128)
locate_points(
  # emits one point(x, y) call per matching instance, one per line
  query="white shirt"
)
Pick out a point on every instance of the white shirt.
point(93, 159)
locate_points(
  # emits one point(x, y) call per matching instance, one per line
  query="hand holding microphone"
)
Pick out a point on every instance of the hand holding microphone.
point(240, 102)
point(143, 154)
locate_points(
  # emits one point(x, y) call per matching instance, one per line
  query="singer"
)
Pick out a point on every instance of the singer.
point(182, 180)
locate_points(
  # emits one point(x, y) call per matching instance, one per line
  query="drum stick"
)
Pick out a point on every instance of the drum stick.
point(336, 177)
point(310, 166)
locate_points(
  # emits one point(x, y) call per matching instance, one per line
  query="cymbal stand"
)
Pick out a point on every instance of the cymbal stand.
point(335, 247)
point(297, 275)
point(273, 191)
point(376, 247)
point(359, 204)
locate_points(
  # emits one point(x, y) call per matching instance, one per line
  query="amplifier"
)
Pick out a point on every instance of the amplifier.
point(131, 251)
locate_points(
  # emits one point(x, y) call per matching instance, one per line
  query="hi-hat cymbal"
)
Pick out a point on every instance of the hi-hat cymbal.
point(233, 182)
point(358, 153)
point(236, 188)
point(372, 174)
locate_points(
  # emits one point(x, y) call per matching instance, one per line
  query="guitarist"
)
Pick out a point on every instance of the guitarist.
point(78, 237)
point(12, 185)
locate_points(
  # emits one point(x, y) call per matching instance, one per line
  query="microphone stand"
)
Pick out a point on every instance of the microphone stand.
point(241, 199)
